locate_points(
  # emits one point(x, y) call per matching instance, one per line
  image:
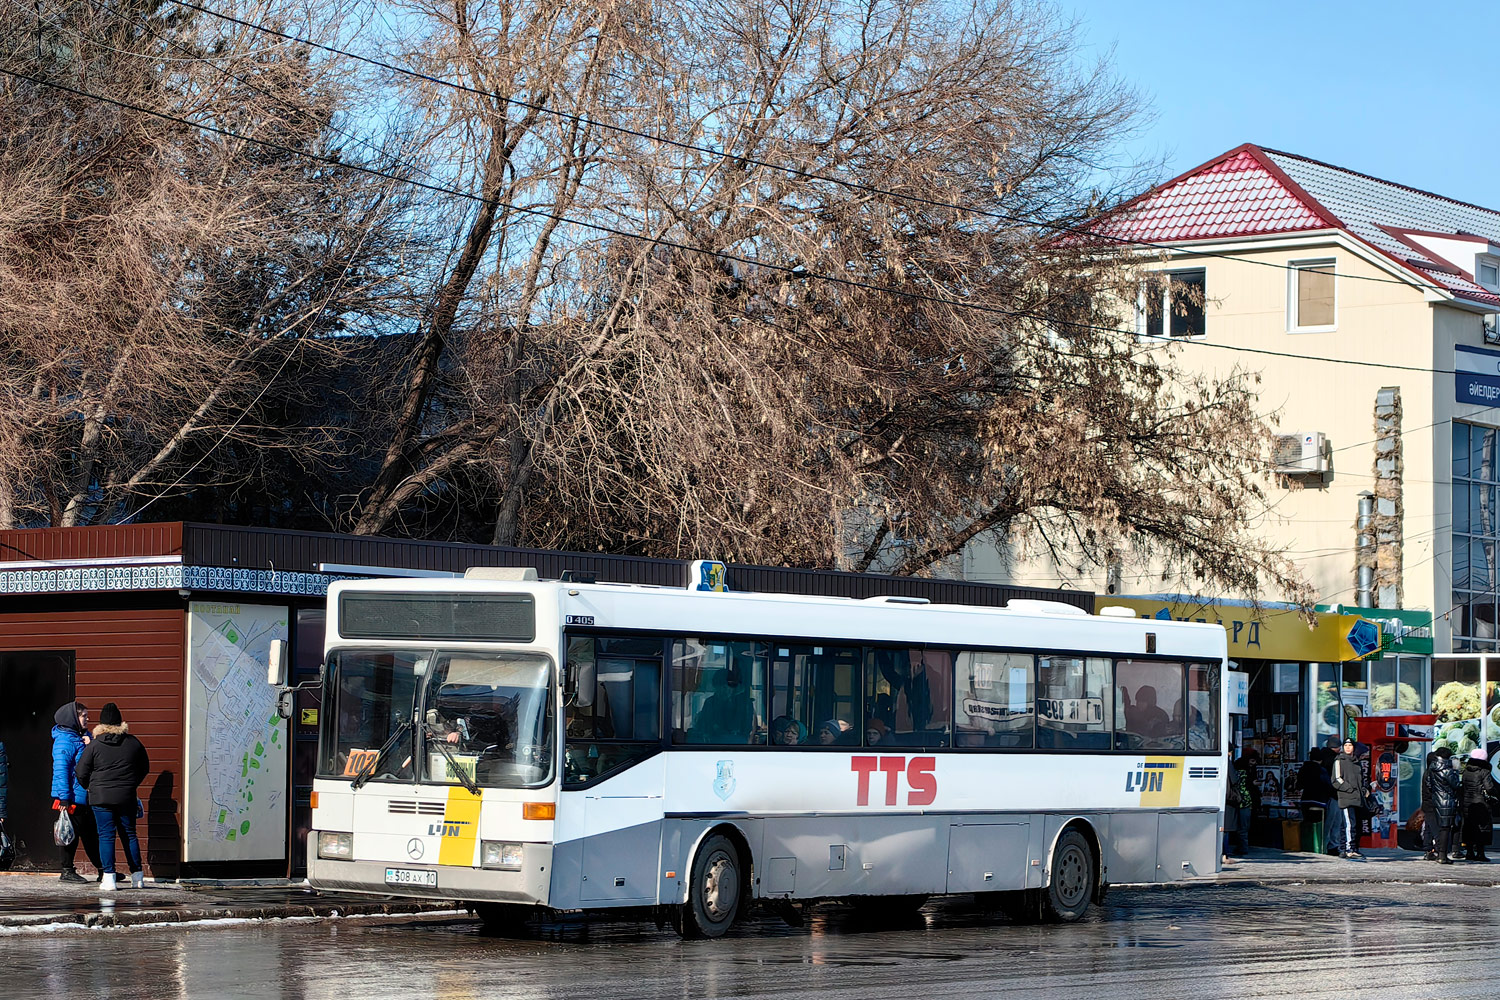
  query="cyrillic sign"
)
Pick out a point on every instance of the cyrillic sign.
point(1476, 376)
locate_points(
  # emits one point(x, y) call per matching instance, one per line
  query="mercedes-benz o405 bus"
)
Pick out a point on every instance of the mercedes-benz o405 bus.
point(527, 745)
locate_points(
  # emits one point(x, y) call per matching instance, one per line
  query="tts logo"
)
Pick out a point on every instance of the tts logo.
point(920, 781)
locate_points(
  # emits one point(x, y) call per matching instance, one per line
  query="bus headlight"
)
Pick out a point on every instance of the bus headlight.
point(338, 846)
point(497, 854)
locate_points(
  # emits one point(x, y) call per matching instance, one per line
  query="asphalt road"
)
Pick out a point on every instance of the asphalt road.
point(1405, 941)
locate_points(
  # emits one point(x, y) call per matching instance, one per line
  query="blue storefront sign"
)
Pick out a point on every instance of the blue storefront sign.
point(1476, 376)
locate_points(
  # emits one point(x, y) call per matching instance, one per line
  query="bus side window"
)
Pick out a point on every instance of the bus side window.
point(993, 703)
point(1073, 703)
point(908, 697)
point(614, 713)
point(1203, 706)
point(1149, 703)
point(719, 692)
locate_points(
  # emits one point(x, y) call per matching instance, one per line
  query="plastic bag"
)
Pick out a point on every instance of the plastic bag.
point(63, 833)
point(7, 851)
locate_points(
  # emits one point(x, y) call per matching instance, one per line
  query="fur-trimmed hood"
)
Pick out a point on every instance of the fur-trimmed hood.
point(102, 730)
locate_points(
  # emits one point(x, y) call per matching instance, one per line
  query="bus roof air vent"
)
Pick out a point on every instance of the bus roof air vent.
point(1043, 607)
point(512, 574)
point(1115, 611)
point(889, 599)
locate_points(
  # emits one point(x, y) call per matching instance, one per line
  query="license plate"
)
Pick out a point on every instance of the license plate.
point(410, 876)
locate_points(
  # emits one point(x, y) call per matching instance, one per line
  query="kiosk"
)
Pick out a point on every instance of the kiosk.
point(1387, 736)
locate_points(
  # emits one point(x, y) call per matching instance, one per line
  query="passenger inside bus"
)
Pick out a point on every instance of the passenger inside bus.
point(1145, 716)
point(787, 731)
point(728, 715)
point(836, 732)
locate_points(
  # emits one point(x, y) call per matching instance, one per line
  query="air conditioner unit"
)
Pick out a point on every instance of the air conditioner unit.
point(1304, 454)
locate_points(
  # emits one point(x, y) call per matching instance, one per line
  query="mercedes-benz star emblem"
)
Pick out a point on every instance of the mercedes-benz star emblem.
point(414, 848)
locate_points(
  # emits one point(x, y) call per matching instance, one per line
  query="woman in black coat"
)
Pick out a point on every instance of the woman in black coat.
point(1479, 820)
point(1440, 786)
point(112, 768)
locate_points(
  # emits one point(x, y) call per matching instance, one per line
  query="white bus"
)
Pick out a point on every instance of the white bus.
point(530, 746)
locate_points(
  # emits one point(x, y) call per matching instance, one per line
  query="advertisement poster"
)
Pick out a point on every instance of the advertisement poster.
point(1269, 780)
point(236, 766)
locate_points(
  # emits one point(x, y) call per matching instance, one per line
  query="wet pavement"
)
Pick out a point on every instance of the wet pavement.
point(1386, 939)
point(39, 902)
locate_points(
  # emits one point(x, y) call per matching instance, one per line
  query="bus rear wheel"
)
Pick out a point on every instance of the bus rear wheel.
point(714, 887)
point(1066, 895)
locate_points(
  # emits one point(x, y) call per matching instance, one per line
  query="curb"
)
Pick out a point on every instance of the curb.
point(1272, 882)
point(178, 915)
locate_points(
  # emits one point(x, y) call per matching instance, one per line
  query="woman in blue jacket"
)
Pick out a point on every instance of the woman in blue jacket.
point(69, 737)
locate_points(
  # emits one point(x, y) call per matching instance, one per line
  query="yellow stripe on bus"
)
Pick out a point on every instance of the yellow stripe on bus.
point(460, 827)
point(1163, 784)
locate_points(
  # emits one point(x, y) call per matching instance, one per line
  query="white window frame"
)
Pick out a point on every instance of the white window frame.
point(1142, 314)
point(1293, 275)
point(1492, 261)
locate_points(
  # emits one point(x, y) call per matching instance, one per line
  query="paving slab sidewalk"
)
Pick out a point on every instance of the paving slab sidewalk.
point(39, 900)
point(1267, 866)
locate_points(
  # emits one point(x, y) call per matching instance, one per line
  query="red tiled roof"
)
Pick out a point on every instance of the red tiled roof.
point(1250, 191)
point(1236, 196)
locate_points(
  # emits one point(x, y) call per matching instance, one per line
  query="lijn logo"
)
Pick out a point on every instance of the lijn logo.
point(1148, 777)
point(447, 828)
point(1158, 781)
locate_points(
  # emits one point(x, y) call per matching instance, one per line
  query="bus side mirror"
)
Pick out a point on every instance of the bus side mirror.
point(569, 682)
point(276, 664)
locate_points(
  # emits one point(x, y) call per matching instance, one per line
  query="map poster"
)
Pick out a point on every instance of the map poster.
point(236, 788)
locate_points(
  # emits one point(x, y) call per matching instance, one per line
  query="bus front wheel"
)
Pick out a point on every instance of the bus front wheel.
point(714, 888)
point(1067, 892)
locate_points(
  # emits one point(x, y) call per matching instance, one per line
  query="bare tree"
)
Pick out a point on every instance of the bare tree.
point(809, 303)
point(157, 279)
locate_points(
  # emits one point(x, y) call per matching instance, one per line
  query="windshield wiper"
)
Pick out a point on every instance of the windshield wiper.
point(463, 775)
point(367, 773)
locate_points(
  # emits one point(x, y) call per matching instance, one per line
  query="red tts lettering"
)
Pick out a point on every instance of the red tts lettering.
point(921, 779)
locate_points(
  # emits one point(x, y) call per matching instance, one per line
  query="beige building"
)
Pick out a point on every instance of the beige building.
point(1357, 299)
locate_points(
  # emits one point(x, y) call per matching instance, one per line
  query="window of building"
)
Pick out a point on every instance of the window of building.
point(1310, 299)
point(908, 700)
point(1475, 537)
point(1149, 705)
point(1487, 272)
point(993, 700)
point(1171, 304)
point(1073, 706)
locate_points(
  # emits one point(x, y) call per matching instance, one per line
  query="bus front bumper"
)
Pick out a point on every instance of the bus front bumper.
point(527, 886)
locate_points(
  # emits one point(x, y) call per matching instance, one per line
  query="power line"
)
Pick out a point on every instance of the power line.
point(1060, 227)
point(796, 271)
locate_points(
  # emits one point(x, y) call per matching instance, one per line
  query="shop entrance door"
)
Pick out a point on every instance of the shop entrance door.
point(35, 684)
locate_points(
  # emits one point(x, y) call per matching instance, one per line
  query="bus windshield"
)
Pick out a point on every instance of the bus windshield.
point(491, 712)
point(370, 696)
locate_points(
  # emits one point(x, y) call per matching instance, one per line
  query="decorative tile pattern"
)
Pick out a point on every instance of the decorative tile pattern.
point(71, 580)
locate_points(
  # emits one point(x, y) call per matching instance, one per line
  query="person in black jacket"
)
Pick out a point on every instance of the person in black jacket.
point(1441, 785)
point(1317, 790)
point(1429, 811)
point(1479, 819)
point(112, 768)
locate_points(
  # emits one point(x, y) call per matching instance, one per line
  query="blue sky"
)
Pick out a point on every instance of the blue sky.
point(1407, 92)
